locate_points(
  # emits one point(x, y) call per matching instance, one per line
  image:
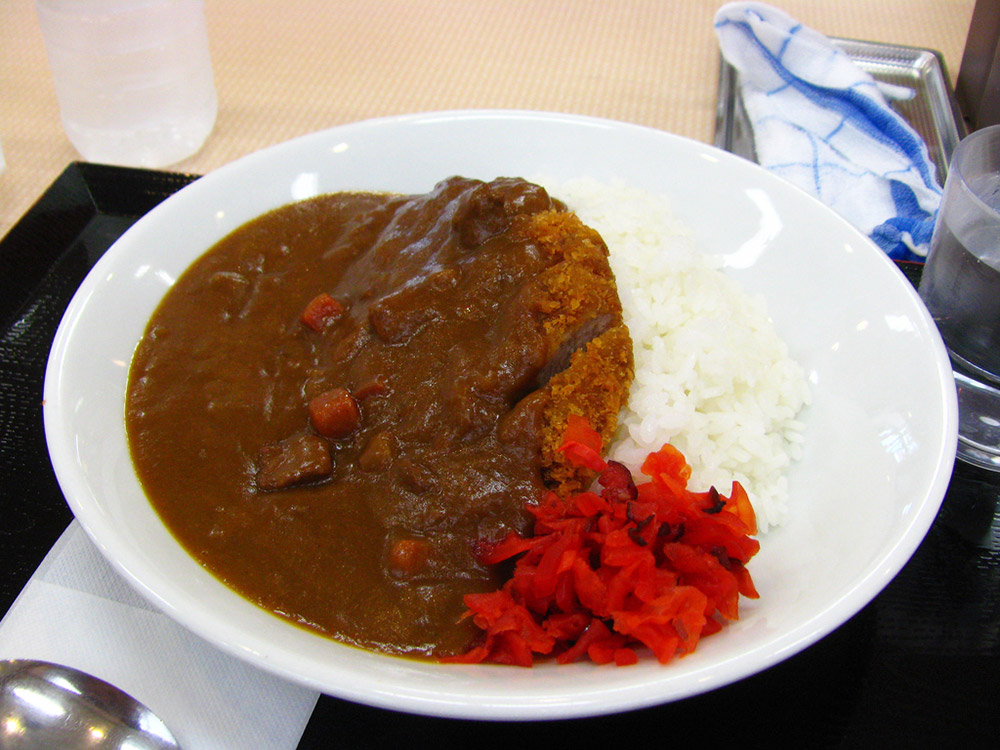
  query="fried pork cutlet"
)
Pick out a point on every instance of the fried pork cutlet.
point(590, 366)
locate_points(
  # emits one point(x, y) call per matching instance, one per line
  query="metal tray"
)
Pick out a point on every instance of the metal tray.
point(932, 111)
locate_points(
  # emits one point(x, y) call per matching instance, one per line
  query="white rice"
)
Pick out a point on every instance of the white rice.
point(713, 378)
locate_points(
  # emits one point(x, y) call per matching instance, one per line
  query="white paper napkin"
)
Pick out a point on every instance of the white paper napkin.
point(76, 610)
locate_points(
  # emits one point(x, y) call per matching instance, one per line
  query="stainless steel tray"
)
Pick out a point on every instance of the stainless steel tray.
point(932, 111)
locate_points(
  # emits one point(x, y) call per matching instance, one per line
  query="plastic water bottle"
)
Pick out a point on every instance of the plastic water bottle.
point(133, 77)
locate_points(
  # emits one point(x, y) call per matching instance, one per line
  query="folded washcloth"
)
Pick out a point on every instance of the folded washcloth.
point(825, 125)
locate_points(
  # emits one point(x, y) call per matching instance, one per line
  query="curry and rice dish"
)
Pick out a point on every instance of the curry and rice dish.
point(417, 424)
point(339, 401)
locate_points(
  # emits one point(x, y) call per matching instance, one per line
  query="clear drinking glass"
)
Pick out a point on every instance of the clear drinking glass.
point(133, 77)
point(961, 288)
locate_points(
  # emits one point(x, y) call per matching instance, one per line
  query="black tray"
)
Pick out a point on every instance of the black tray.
point(918, 667)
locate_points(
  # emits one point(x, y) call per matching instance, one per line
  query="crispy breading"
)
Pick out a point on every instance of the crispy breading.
point(595, 385)
point(590, 348)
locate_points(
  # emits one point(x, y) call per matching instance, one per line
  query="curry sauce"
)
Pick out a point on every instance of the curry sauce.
point(341, 401)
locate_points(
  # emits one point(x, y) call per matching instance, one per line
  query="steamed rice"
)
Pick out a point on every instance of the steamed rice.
point(713, 378)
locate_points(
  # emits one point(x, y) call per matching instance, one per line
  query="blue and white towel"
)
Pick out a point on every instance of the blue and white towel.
point(825, 125)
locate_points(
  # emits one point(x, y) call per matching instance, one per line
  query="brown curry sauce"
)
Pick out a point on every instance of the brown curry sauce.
point(450, 354)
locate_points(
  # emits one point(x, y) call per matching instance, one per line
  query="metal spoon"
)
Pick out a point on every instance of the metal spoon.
point(45, 705)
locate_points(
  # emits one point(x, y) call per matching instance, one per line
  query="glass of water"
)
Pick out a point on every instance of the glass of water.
point(133, 77)
point(961, 288)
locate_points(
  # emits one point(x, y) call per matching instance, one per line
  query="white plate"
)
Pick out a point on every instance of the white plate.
point(880, 437)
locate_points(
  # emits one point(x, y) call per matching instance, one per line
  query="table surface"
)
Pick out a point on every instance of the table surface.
point(920, 666)
point(290, 67)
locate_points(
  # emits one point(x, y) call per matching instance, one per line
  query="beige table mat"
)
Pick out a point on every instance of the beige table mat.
point(288, 67)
